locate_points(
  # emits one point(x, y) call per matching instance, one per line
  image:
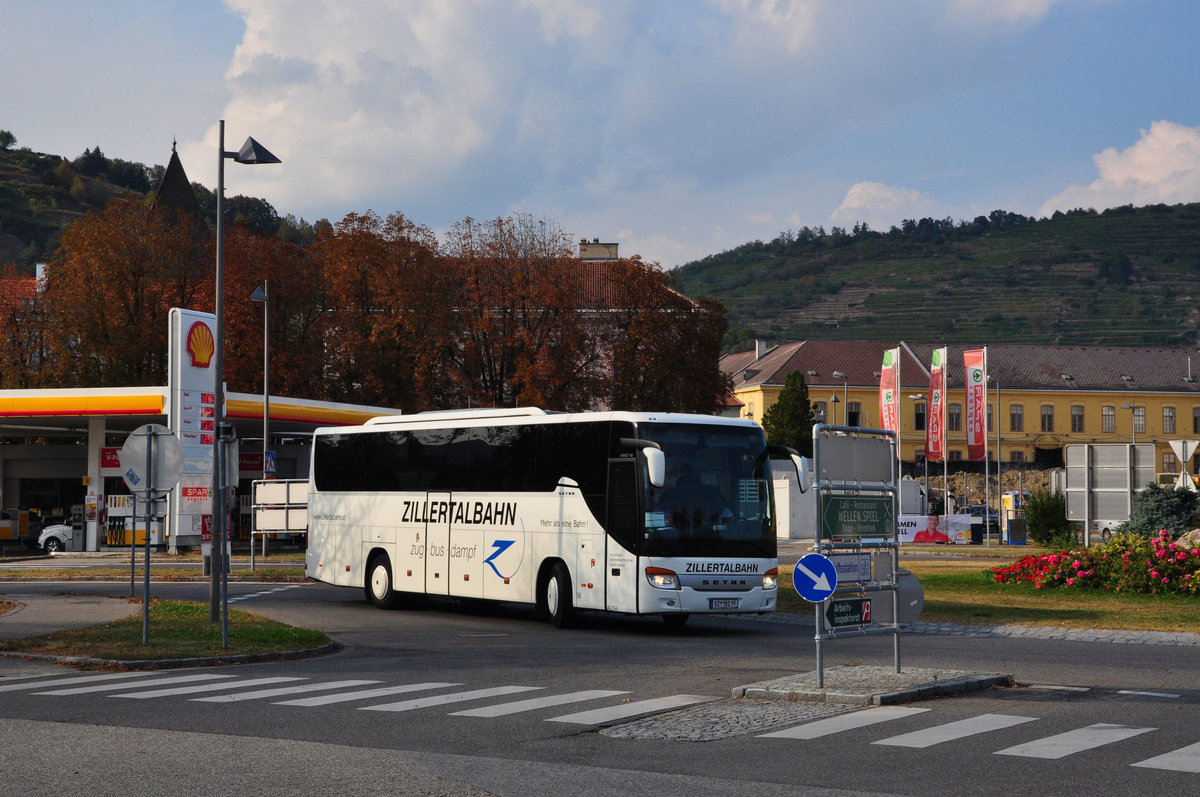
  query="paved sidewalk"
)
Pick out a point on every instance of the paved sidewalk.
point(38, 615)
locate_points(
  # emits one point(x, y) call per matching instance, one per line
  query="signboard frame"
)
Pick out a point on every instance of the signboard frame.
point(858, 487)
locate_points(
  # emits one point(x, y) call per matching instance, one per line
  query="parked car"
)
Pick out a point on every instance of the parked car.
point(57, 538)
point(982, 514)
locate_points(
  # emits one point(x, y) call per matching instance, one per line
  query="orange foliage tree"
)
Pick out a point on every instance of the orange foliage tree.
point(663, 347)
point(116, 275)
point(519, 335)
point(383, 308)
point(295, 301)
point(22, 327)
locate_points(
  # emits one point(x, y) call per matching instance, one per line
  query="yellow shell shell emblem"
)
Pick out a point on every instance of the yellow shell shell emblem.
point(200, 344)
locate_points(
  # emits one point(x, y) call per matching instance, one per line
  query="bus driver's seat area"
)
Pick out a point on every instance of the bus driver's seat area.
point(690, 504)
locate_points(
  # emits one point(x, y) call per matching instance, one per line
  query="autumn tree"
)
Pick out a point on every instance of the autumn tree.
point(663, 347)
point(519, 336)
point(383, 299)
point(295, 305)
point(110, 286)
point(22, 331)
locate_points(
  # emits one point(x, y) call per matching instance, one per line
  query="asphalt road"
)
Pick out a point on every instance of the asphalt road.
point(447, 711)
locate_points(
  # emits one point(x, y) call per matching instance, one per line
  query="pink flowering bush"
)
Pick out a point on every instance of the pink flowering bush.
point(1126, 563)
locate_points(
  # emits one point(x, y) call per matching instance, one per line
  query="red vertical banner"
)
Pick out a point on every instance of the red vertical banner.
point(935, 426)
point(889, 386)
point(975, 365)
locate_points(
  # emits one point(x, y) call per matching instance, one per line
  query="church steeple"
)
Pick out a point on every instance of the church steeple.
point(175, 191)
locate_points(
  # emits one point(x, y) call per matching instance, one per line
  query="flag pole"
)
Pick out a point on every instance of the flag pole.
point(987, 487)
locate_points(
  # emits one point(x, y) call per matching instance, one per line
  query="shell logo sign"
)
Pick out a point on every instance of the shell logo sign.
point(200, 344)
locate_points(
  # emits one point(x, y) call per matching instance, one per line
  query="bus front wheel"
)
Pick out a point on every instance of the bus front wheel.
point(379, 583)
point(556, 597)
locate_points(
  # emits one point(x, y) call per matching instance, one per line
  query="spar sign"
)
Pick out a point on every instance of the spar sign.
point(889, 383)
point(975, 365)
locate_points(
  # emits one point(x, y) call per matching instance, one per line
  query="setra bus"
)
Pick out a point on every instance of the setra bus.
point(636, 513)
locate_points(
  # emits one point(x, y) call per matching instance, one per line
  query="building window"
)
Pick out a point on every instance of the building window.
point(1139, 420)
point(1016, 418)
point(1018, 456)
point(750, 410)
point(956, 456)
point(1108, 419)
point(919, 416)
point(1195, 420)
point(818, 410)
point(954, 418)
point(1169, 463)
point(854, 414)
point(1047, 417)
point(1169, 421)
point(989, 417)
point(1077, 419)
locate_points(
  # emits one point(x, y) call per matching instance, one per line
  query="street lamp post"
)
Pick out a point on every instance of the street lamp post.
point(917, 397)
point(1129, 405)
point(218, 599)
point(263, 294)
point(845, 377)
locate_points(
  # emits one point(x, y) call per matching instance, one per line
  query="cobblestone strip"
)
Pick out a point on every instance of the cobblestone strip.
point(726, 718)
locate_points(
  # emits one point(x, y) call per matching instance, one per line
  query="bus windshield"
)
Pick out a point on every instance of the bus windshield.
point(716, 499)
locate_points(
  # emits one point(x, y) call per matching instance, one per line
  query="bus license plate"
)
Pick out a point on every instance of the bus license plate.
point(723, 603)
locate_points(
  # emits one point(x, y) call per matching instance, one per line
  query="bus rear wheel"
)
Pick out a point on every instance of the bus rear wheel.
point(379, 583)
point(556, 597)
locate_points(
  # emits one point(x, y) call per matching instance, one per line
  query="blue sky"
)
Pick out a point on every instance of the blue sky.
point(678, 128)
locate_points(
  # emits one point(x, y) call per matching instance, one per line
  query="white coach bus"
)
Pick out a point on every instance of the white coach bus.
point(637, 513)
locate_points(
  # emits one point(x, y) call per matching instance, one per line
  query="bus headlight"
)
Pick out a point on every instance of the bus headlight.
point(771, 578)
point(661, 578)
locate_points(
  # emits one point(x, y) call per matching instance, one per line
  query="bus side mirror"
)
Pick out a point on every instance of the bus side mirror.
point(803, 471)
point(656, 466)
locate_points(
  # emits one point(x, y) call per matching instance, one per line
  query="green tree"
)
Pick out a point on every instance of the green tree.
point(7, 139)
point(1156, 508)
point(1046, 518)
point(789, 421)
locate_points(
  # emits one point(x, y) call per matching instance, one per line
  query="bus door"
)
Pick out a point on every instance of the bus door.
point(622, 526)
point(437, 543)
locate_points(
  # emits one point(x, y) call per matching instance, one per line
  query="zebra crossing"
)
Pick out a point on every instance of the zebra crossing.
point(609, 706)
point(1056, 746)
point(200, 687)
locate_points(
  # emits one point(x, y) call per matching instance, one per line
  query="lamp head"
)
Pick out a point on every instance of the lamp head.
point(252, 152)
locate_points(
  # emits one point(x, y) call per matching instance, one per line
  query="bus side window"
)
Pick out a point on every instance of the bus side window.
point(623, 521)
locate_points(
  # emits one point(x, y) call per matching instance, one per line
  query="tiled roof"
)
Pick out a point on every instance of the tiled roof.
point(1017, 367)
point(818, 360)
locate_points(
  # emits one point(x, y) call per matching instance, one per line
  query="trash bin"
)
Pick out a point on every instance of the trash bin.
point(977, 533)
point(1016, 531)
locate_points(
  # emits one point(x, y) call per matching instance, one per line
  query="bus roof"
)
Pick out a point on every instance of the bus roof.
point(517, 415)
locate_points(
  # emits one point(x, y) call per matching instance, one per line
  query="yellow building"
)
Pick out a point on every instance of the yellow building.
point(1047, 396)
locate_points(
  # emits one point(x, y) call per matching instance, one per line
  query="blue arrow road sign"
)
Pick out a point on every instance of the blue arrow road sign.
point(815, 577)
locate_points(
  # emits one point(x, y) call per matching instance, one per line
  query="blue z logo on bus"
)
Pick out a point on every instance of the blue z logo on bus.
point(500, 546)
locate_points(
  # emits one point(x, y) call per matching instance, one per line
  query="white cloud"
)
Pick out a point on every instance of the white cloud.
point(881, 206)
point(1007, 12)
point(791, 22)
point(1162, 166)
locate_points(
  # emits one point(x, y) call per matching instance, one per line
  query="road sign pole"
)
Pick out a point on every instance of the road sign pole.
point(133, 541)
point(133, 536)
